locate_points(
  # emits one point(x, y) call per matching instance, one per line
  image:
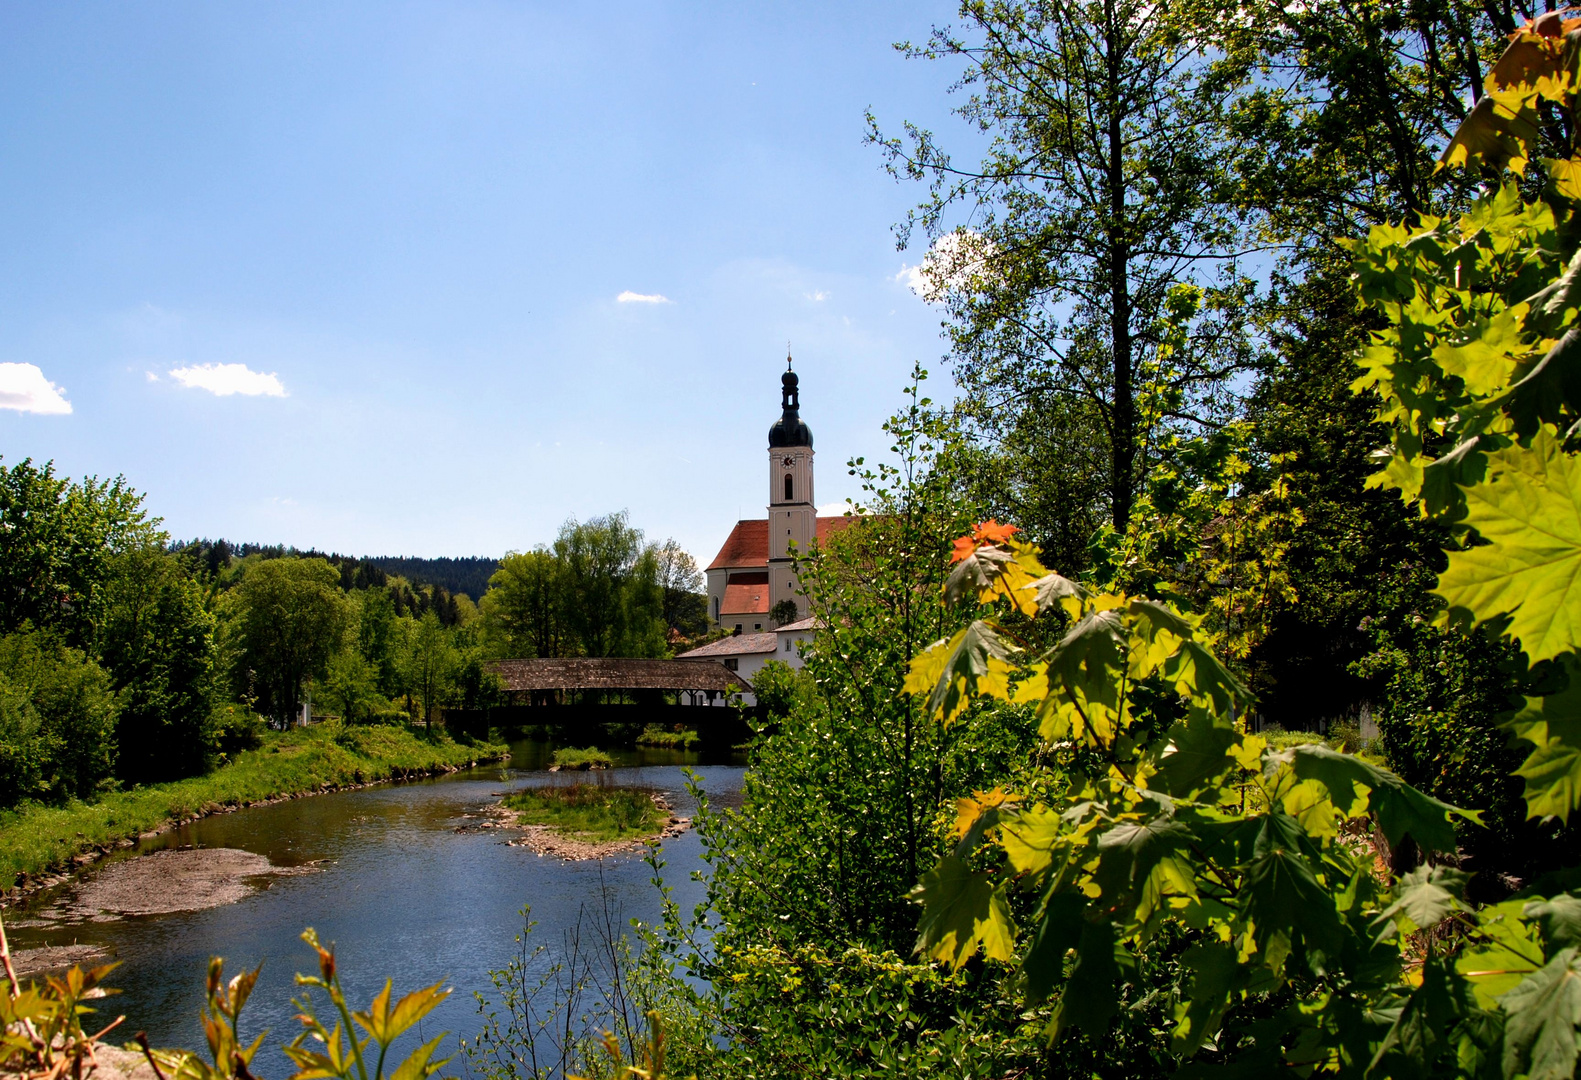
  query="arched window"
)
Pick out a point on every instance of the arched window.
point(787, 487)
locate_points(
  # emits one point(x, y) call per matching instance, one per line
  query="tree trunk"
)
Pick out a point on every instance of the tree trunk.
point(1123, 427)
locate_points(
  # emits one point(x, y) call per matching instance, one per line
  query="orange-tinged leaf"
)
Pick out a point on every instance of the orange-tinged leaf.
point(992, 532)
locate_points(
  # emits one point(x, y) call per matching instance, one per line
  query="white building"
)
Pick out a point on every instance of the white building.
point(745, 654)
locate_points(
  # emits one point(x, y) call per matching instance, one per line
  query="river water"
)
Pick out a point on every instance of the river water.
point(392, 883)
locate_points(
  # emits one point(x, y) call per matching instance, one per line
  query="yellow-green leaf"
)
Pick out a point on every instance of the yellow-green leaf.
point(1529, 511)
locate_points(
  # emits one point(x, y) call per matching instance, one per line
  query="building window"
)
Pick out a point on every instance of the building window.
point(757, 626)
point(732, 663)
point(738, 628)
point(787, 487)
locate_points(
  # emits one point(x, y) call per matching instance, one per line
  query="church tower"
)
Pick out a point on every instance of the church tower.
point(793, 515)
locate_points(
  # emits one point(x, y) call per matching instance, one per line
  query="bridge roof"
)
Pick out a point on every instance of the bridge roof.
point(593, 673)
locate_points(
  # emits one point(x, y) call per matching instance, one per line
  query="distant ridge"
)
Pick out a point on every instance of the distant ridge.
point(469, 574)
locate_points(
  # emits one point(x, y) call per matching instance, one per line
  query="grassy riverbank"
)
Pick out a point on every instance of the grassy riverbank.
point(591, 813)
point(36, 839)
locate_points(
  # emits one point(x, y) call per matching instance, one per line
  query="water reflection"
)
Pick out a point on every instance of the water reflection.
point(399, 890)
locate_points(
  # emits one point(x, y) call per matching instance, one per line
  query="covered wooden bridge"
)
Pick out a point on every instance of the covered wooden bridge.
point(585, 693)
point(586, 680)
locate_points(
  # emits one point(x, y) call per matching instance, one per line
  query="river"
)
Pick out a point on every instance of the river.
point(398, 877)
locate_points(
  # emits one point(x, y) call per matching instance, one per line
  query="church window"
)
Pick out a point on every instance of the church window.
point(787, 487)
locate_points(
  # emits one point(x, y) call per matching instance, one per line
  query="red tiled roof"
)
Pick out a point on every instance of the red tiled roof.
point(748, 543)
point(735, 645)
point(828, 526)
point(744, 600)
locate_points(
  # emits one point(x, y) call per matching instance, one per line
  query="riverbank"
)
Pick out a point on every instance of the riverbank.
point(38, 843)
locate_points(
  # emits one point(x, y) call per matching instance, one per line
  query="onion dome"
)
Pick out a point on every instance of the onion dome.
point(790, 429)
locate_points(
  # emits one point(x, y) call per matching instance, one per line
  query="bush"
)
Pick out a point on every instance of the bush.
point(237, 728)
point(57, 720)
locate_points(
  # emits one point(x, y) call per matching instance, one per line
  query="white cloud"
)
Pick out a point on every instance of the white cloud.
point(629, 297)
point(817, 295)
point(24, 388)
point(227, 379)
point(151, 376)
point(951, 263)
point(838, 509)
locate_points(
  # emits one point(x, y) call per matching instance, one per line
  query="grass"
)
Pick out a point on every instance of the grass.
point(35, 839)
point(591, 758)
point(656, 735)
point(590, 812)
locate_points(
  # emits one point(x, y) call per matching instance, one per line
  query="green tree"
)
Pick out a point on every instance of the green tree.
point(685, 603)
point(57, 540)
point(375, 628)
point(57, 720)
point(522, 609)
point(290, 619)
point(430, 664)
point(156, 639)
point(1104, 185)
point(611, 601)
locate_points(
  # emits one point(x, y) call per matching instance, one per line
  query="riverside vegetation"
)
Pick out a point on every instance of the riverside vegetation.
point(36, 838)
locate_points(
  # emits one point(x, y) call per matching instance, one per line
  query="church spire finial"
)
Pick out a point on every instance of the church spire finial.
point(787, 356)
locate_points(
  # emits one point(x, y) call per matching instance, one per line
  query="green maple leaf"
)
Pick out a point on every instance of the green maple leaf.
point(975, 661)
point(1199, 751)
point(1529, 511)
point(1089, 1000)
point(1281, 891)
point(1553, 770)
point(1428, 896)
point(1560, 918)
point(962, 911)
point(1401, 809)
point(1215, 975)
point(1542, 1014)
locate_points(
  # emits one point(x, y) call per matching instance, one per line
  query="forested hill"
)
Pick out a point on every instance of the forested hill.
point(469, 574)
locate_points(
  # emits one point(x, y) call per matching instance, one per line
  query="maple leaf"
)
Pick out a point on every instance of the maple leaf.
point(992, 532)
point(1529, 511)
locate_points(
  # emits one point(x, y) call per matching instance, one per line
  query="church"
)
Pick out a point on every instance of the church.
point(755, 569)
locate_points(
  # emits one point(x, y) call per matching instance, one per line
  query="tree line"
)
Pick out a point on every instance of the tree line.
point(128, 659)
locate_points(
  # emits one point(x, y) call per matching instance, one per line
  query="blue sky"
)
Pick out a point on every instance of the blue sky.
point(418, 219)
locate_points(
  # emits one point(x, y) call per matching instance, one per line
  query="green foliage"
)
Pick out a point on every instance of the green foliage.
point(57, 720)
point(353, 1046)
point(57, 542)
point(289, 619)
point(593, 813)
point(157, 641)
point(599, 591)
point(1172, 816)
point(569, 757)
point(657, 735)
point(1107, 124)
point(41, 1031)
